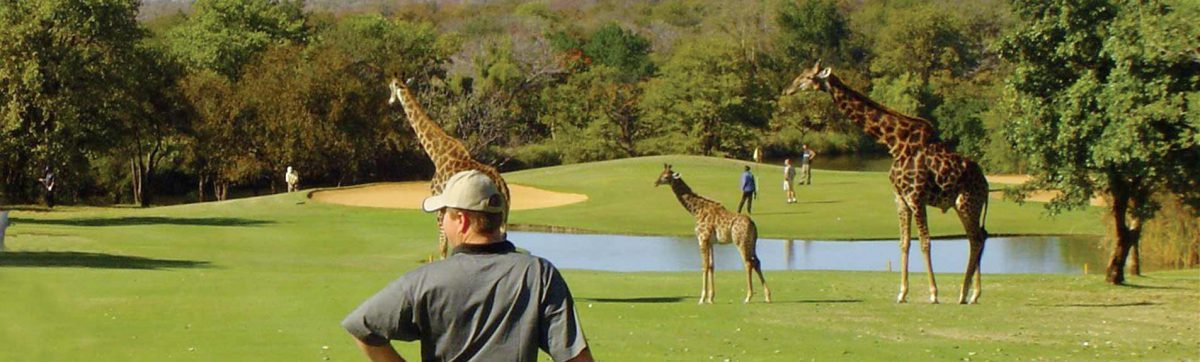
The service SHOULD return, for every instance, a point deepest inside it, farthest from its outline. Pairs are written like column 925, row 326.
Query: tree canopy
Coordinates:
column 1101, row 93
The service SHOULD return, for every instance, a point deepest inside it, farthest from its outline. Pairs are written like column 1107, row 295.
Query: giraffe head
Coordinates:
column 810, row 80
column 395, row 87
column 666, row 176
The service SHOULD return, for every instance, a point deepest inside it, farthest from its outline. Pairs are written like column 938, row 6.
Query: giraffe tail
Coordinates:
column 983, row 218
column 753, row 235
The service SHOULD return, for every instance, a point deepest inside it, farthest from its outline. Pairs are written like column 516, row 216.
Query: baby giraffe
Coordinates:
column 712, row 219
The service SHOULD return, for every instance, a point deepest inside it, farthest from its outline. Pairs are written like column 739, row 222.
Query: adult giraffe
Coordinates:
column 448, row 154
column 924, row 172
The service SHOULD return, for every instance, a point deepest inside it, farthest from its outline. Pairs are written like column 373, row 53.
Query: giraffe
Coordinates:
column 712, row 219
column 448, row 154
column 924, row 172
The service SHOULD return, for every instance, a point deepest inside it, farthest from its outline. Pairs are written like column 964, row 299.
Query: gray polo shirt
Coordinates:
column 485, row 302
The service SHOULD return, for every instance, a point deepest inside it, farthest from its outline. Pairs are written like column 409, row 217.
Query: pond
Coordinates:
column 1002, row 255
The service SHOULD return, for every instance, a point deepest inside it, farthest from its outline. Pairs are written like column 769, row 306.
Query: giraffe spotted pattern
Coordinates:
column 714, row 221
column 924, row 172
column 448, row 154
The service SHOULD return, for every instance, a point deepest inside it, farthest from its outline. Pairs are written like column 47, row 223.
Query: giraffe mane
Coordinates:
column 832, row 79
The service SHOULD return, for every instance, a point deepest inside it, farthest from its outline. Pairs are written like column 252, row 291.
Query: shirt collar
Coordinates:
column 501, row 247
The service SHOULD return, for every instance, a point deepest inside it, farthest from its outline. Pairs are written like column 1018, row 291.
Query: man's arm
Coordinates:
column 386, row 353
column 585, row 356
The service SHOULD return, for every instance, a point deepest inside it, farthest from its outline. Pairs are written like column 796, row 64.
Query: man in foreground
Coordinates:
column 485, row 302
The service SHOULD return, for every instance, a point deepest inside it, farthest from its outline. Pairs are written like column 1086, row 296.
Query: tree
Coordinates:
column 211, row 142
column 1104, row 96
column 152, row 118
column 811, row 30
column 594, row 116
column 223, row 35
column 697, row 95
column 624, row 50
column 59, row 84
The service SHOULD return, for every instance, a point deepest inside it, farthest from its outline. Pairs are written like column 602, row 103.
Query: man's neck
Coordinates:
column 482, row 239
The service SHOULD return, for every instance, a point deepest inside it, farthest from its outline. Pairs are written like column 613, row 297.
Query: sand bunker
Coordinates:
column 408, row 195
column 1038, row 196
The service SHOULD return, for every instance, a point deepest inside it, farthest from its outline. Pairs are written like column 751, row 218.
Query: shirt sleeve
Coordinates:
column 561, row 335
column 389, row 314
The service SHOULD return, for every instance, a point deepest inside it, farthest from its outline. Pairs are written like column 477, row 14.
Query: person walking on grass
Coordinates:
column 789, row 174
column 47, row 182
column 486, row 302
column 806, row 157
column 292, row 178
column 749, row 191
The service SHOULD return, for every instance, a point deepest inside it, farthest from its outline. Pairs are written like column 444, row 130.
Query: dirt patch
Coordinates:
column 1036, row 196
column 408, row 195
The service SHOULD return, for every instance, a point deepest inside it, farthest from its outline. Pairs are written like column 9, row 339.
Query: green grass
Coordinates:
column 270, row 278
column 839, row 205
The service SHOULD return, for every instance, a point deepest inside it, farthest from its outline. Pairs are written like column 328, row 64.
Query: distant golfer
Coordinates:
column 292, row 178
column 48, row 184
column 486, row 302
column 806, row 157
column 749, row 191
column 789, row 175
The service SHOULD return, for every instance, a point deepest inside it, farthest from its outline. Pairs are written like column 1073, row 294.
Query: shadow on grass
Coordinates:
column 802, row 202
column 1138, row 286
column 26, row 208
column 818, row 301
column 145, row 220
column 1104, row 305
column 781, row 213
column 71, row 259
column 636, row 300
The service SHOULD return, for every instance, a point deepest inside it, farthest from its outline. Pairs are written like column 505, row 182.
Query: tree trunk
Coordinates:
column 1127, row 229
column 1135, row 259
column 145, row 190
column 135, row 178
column 224, row 193
column 200, row 189
column 1194, row 255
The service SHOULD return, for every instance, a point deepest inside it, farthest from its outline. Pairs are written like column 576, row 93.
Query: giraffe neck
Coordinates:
column 690, row 200
column 440, row 146
column 900, row 133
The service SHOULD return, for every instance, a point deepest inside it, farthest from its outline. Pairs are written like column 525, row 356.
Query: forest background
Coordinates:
column 179, row 101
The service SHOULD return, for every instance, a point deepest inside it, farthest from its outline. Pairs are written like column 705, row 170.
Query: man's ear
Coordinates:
column 464, row 222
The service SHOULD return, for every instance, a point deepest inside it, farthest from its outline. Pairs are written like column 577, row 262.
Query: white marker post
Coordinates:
column 3, row 226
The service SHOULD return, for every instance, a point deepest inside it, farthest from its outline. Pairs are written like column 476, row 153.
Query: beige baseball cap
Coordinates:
column 467, row 190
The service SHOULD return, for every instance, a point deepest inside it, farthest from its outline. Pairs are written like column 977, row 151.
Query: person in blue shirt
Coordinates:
column 749, row 191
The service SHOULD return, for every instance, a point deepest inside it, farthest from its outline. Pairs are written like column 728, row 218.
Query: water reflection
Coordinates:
column 1004, row 255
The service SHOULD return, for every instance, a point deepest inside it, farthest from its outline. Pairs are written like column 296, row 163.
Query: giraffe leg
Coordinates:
column 709, row 271
column 703, row 241
column 749, row 282
column 758, row 269
column 923, row 229
column 748, row 264
column 905, row 215
column 744, row 246
column 968, row 213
